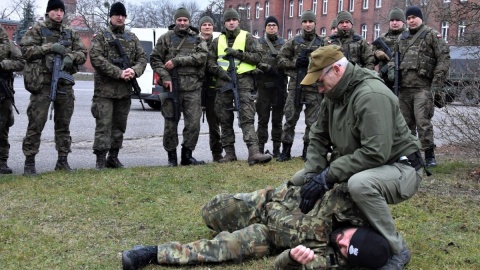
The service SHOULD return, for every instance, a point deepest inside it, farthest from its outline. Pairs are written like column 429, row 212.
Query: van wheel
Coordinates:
column 469, row 95
column 156, row 105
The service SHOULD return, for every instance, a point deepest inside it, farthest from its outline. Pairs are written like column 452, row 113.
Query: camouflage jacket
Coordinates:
column 37, row 42
column 424, row 63
column 268, row 65
column 4, row 41
column 108, row 83
column 354, row 47
column 389, row 38
column 12, row 62
column 291, row 51
column 187, row 51
column 252, row 55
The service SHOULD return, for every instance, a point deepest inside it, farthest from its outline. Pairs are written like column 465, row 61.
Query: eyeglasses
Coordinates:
column 271, row 25
column 320, row 80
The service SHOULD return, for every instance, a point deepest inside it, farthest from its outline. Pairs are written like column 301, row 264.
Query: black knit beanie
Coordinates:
column 54, row 4
column 271, row 19
column 118, row 9
column 415, row 11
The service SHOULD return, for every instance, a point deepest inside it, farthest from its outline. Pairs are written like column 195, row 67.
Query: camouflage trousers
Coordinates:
column 292, row 114
column 213, row 122
column 223, row 108
column 6, row 121
column 418, row 108
column 191, row 108
column 262, row 223
column 37, row 112
column 111, row 117
column 265, row 103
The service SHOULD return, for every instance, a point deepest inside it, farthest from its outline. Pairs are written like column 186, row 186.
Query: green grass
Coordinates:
column 83, row 220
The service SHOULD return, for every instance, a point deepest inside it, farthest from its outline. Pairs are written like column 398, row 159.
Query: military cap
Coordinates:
column 320, row 59
column 231, row 14
column 308, row 15
column 396, row 14
column 205, row 19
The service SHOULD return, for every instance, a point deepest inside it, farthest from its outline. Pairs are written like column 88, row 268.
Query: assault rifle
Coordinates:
column 279, row 85
column 57, row 74
column 379, row 42
column 7, row 90
column 233, row 86
column 384, row 70
column 301, row 73
column 173, row 95
column 397, row 74
column 123, row 62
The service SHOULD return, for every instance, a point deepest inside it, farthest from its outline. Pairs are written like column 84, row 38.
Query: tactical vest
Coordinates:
column 183, row 46
column 300, row 43
column 112, row 52
column 48, row 36
column 352, row 48
column 238, row 44
column 270, row 58
column 418, row 56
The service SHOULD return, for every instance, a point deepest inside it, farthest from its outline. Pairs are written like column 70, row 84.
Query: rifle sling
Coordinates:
column 270, row 45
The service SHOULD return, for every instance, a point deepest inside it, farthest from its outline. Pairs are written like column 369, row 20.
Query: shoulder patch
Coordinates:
column 94, row 35
column 439, row 36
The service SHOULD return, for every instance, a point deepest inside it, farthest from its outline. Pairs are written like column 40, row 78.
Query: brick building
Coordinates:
column 370, row 17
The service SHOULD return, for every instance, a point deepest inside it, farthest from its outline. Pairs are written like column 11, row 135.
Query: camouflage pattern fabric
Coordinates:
column 286, row 60
column 423, row 67
column 188, row 53
column 354, row 47
column 4, row 43
column 389, row 38
column 6, row 121
column 262, row 223
column 111, row 98
column 35, row 46
column 246, row 86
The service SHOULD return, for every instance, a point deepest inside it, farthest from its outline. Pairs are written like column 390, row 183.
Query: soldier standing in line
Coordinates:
column 182, row 50
column 396, row 21
column 39, row 45
column 247, row 53
column 424, row 63
column 111, row 98
column 271, row 86
column 10, row 60
column 354, row 47
column 209, row 94
column 333, row 27
column 291, row 58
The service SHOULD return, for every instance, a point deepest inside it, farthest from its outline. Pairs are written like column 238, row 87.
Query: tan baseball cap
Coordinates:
column 320, row 59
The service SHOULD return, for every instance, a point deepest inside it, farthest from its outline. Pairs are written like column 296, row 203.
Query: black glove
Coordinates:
column 264, row 67
column 223, row 75
column 313, row 190
column 58, row 48
column 67, row 62
column 302, row 62
column 230, row 52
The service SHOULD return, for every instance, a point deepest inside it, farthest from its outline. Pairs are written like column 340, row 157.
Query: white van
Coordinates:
column 148, row 81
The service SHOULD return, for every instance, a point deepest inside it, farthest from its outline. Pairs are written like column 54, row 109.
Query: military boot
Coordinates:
column 62, row 164
column 112, row 159
column 4, row 169
column 304, row 151
column 398, row 261
column 229, row 155
column 276, row 149
column 172, row 158
column 430, row 158
column 255, row 157
column 285, row 155
column 29, row 168
column 188, row 159
column 101, row 160
column 139, row 257
column 217, row 156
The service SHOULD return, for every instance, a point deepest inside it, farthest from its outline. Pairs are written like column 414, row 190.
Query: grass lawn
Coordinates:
column 83, row 220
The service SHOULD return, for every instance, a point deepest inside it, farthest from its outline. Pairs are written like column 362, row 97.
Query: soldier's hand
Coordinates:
column 230, row 52
column 302, row 254
column 58, row 48
column 67, row 63
column 169, row 64
column 314, row 190
column 222, row 75
column 167, row 85
column 301, row 62
column 264, row 67
column 381, row 55
column 391, row 74
column 126, row 75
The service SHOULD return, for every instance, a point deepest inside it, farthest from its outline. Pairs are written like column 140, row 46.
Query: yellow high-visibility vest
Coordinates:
column 238, row 44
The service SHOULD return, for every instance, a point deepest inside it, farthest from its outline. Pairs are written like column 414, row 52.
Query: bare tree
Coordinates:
column 16, row 8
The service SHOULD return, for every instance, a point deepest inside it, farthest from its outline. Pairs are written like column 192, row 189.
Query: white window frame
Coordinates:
column 300, row 7
column 364, row 31
column 340, row 5
column 289, row 33
column 324, row 7
column 267, row 9
column 376, row 31
column 351, row 5
column 323, row 32
column 446, row 1
column 257, row 10
column 290, row 11
column 365, row 4
column 378, row 3
column 462, row 25
column 445, row 26
column 248, row 11
column 314, row 6
column 255, row 33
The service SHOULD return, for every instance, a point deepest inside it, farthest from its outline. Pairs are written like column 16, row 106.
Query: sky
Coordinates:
column 42, row 5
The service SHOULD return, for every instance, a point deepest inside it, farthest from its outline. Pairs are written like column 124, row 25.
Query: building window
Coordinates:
column 351, row 5
column 300, row 7
column 267, row 9
column 314, row 6
column 423, row 3
column 255, row 33
column 340, row 5
column 445, row 26
column 289, row 34
column 365, row 4
column 290, row 12
column 299, row 31
column 446, row 1
column 323, row 32
column 257, row 10
column 364, row 31
column 376, row 31
column 378, row 3
column 248, row 11
column 324, row 7
column 461, row 30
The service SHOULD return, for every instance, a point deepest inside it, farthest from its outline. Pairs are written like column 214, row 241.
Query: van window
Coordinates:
column 147, row 47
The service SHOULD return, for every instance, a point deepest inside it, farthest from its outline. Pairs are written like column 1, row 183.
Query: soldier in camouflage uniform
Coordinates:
column 10, row 60
column 396, row 22
column 39, row 46
column 182, row 49
column 424, row 63
column 291, row 61
column 354, row 47
column 247, row 53
column 333, row 27
column 266, row 222
column 111, row 98
column 271, row 86
column 209, row 93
